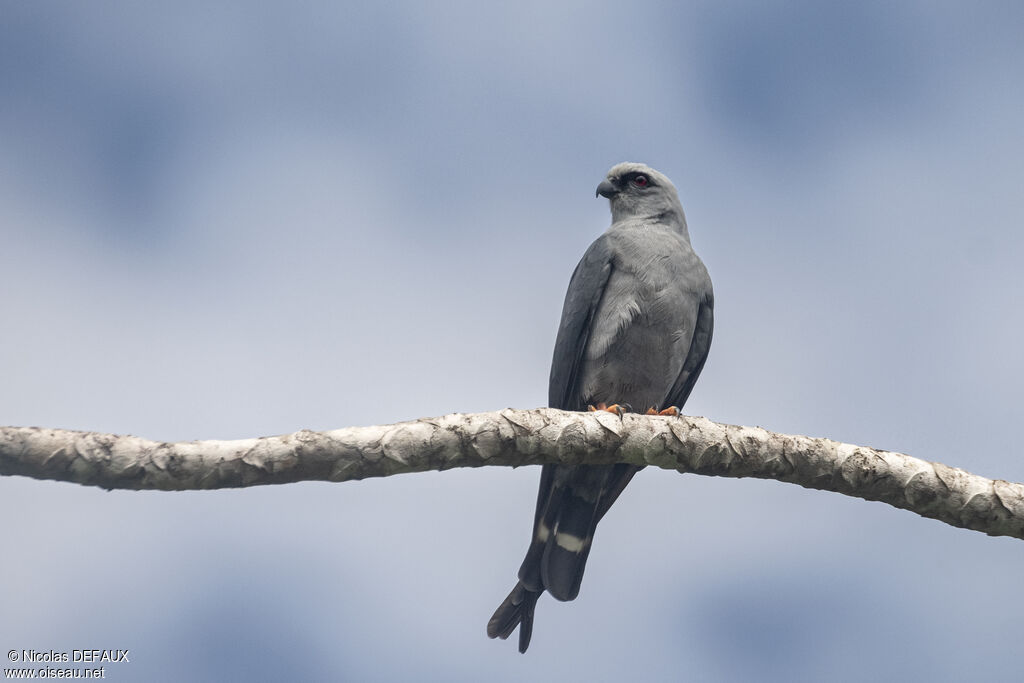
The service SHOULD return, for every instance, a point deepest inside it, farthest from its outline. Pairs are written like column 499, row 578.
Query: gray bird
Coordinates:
column 635, row 330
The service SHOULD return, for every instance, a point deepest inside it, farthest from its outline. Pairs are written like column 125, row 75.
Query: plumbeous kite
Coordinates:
column 635, row 330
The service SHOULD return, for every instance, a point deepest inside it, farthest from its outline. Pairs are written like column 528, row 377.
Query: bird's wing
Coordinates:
column 586, row 288
column 700, row 344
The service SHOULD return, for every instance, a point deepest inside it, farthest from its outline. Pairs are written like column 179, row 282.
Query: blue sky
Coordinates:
column 236, row 220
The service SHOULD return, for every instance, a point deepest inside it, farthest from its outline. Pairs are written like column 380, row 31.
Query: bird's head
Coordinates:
column 637, row 191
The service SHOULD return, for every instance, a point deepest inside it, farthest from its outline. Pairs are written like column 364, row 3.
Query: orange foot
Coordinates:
column 614, row 408
column 671, row 411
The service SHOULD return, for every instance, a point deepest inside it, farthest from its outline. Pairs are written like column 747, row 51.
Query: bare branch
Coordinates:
column 519, row 437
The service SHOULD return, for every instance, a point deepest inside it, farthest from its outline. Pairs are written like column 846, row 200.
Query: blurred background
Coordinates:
column 237, row 219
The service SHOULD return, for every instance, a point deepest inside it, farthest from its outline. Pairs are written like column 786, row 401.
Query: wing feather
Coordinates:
column 700, row 344
column 582, row 300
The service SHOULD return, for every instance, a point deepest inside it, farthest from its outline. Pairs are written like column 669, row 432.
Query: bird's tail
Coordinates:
column 516, row 610
column 565, row 552
column 582, row 504
column 570, row 503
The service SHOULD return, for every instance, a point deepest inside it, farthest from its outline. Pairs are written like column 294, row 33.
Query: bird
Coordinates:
column 635, row 332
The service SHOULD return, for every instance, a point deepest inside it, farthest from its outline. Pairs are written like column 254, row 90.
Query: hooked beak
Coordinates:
column 606, row 189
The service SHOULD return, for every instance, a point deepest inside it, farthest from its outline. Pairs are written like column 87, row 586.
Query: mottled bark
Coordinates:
column 519, row 437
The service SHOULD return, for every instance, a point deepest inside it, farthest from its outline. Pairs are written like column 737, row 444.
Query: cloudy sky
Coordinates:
column 238, row 220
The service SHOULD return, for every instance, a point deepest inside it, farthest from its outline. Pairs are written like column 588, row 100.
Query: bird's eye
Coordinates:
column 640, row 181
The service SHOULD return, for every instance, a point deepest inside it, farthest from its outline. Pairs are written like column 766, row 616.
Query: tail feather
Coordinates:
column 516, row 610
column 566, row 550
column 530, row 572
column 570, row 503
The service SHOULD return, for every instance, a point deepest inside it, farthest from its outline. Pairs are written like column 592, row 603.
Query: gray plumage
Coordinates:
column 636, row 328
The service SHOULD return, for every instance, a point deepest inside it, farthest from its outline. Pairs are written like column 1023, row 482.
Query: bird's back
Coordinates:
column 644, row 323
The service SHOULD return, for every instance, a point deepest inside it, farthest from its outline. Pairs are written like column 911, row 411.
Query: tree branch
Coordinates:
column 519, row 437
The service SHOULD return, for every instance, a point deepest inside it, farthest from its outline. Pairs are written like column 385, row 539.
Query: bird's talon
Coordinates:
column 615, row 408
column 671, row 411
